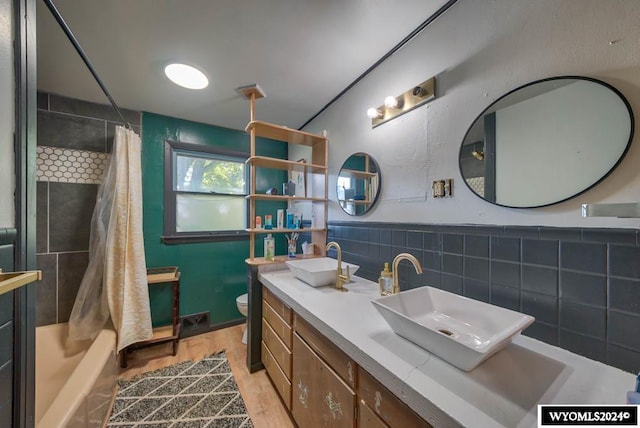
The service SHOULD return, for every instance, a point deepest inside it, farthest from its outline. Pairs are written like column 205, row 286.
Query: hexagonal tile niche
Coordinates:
column 70, row 166
column 476, row 184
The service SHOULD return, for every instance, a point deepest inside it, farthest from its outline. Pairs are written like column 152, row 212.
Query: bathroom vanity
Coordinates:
column 342, row 365
column 317, row 381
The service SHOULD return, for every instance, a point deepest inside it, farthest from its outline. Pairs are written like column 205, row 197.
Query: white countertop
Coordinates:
column 503, row 391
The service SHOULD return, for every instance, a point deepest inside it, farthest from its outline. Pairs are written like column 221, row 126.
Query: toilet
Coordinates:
column 242, row 303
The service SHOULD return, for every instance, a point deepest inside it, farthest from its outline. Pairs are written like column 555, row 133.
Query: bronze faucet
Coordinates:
column 340, row 278
column 396, row 261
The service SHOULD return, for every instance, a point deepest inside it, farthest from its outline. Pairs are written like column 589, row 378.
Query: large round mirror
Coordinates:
column 358, row 184
column 546, row 142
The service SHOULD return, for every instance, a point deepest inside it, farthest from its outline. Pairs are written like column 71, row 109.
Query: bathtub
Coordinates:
column 74, row 387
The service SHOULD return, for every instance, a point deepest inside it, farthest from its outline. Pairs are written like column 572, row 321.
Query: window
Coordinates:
column 205, row 191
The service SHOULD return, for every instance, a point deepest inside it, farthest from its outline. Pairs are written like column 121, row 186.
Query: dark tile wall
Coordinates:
column 64, row 209
column 70, row 210
column 582, row 285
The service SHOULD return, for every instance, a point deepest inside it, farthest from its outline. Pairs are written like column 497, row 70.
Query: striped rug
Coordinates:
column 185, row 395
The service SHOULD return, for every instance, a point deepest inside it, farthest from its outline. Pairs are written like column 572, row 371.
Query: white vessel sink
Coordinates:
column 320, row 271
column 462, row 331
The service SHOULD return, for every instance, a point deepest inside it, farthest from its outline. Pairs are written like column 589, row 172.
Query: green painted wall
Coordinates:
column 212, row 274
column 356, row 163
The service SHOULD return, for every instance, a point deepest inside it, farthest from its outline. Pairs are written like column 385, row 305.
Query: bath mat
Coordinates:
column 185, row 395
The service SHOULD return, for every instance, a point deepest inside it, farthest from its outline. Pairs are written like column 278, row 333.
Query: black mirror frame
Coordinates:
column 377, row 196
column 622, row 156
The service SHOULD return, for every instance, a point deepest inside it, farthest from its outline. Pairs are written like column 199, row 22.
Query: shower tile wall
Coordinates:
column 74, row 139
column 582, row 285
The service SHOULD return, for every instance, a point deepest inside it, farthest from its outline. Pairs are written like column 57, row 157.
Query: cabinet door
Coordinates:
column 279, row 326
column 278, row 349
column 278, row 378
column 367, row 418
column 384, row 404
column 319, row 397
column 328, row 351
column 278, row 306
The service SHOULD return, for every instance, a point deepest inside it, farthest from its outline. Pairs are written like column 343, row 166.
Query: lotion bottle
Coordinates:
column 386, row 281
column 269, row 248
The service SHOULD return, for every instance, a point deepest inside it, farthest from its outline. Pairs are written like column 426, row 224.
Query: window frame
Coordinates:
column 170, row 235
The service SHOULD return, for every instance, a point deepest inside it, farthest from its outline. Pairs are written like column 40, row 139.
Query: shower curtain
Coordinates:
column 115, row 282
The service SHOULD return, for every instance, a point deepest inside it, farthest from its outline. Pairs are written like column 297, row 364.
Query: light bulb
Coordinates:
column 391, row 102
column 374, row 113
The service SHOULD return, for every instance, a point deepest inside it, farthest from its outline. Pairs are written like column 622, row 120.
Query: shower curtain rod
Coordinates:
column 84, row 57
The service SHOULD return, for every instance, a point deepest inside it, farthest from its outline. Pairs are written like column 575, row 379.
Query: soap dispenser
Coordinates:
column 269, row 248
column 386, row 281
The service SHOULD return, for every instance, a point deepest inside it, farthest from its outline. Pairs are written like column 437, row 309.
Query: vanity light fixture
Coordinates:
column 186, row 76
column 403, row 103
column 478, row 154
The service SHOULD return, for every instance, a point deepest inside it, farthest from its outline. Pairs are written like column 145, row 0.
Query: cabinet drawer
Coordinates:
column 278, row 306
column 319, row 398
column 280, row 352
column 279, row 326
column 367, row 418
column 338, row 360
column 386, row 405
column 278, row 378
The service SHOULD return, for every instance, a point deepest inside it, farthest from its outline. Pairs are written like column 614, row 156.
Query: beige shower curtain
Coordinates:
column 115, row 283
column 125, row 272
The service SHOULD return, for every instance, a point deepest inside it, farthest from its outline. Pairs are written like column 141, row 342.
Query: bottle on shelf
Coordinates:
column 269, row 248
column 280, row 219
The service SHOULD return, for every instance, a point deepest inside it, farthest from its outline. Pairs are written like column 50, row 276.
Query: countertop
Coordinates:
column 503, row 391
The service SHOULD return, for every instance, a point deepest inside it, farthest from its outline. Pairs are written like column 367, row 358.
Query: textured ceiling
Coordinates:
column 302, row 53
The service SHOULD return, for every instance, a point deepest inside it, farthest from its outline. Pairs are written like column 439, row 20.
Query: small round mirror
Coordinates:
column 358, row 184
column 546, row 142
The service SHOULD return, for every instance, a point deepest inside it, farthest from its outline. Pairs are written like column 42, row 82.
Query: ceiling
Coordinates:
column 302, row 53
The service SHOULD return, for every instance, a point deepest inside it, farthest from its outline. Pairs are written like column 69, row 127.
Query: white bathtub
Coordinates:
column 74, row 387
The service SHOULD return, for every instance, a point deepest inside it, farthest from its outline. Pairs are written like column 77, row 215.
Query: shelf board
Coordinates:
column 352, row 201
column 264, row 231
column 282, row 133
column 265, row 162
column 257, row 261
column 160, row 335
column 12, row 280
column 355, row 173
column 161, row 279
column 265, row 197
column 164, row 332
column 162, row 274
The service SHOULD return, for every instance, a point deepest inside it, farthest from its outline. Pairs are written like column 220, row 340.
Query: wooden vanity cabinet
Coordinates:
column 320, row 396
column 320, row 385
column 379, row 407
column 276, row 343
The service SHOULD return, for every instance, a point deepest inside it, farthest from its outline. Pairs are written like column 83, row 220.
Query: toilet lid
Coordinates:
column 242, row 300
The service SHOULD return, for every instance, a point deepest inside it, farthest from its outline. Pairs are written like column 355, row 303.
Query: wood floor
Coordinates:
column 263, row 403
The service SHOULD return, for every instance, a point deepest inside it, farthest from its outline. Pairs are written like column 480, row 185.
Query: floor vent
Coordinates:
column 194, row 324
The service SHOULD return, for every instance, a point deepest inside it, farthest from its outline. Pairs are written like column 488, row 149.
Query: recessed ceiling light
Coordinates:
column 186, row 76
